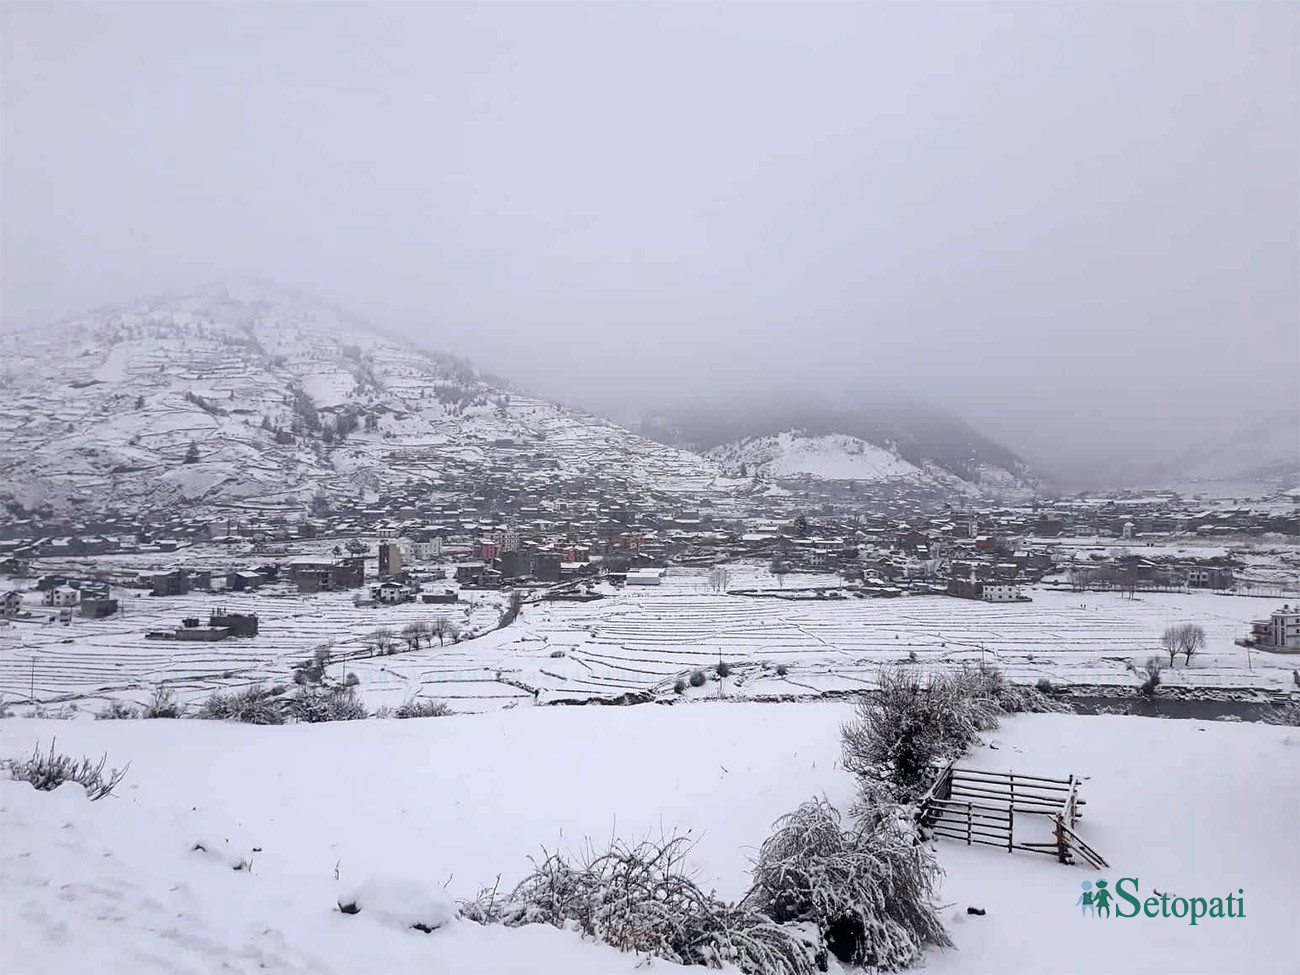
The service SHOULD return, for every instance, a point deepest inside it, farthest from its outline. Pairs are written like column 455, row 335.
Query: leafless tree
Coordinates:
column 778, row 569
column 1185, row 638
column 719, row 578
column 1169, row 640
column 441, row 628
column 411, row 634
column 383, row 641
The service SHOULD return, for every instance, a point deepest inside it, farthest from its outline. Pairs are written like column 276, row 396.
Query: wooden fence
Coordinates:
column 980, row 808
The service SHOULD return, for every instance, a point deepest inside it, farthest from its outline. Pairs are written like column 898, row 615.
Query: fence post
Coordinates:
column 1060, row 840
column 969, row 817
column 1011, row 826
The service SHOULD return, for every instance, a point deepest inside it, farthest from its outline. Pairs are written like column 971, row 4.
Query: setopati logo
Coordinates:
column 1098, row 900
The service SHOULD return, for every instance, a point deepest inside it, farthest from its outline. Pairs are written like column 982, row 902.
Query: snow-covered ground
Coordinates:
column 421, row 810
column 641, row 639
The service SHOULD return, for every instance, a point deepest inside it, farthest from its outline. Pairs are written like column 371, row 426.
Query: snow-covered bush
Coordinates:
column 642, row 899
column 163, row 704
column 252, row 705
column 897, row 735
column 423, row 709
column 312, row 706
column 914, row 722
column 118, row 711
column 723, row 669
column 697, row 678
column 49, row 771
column 679, row 685
column 1151, row 681
column 869, row 889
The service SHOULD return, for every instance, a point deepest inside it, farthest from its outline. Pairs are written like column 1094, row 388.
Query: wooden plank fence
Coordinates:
column 980, row 808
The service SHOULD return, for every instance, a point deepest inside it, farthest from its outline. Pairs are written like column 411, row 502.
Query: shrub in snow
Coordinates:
column 869, row 889
column 252, row 705
column 897, row 735
column 1288, row 716
column 49, row 771
column 423, row 709
column 312, row 706
column 1151, row 669
column 697, row 678
column 163, row 704
column 400, row 904
column 912, row 722
column 782, row 670
column 641, row 899
column 723, row 669
column 679, row 686
column 118, row 711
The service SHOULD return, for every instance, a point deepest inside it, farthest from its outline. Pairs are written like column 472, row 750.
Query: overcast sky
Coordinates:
column 1076, row 224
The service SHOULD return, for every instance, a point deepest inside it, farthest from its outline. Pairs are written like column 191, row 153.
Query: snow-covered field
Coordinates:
column 640, row 639
column 418, row 811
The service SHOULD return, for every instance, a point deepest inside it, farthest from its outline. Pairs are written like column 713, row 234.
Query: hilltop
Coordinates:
column 880, row 440
column 262, row 399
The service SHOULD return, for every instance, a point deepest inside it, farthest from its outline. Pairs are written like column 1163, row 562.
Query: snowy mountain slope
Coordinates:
column 813, row 431
column 828, row 457
column 794, row 455
column 260, row 398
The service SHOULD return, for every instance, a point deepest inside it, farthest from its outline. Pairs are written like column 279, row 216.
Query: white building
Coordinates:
column 645, row 577
column 425, row 550
column 994, row 592
column 1281, row 631
column 392, row 593
column 61, row 596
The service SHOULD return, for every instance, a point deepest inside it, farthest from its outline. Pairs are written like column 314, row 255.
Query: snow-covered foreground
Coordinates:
column 446, row 804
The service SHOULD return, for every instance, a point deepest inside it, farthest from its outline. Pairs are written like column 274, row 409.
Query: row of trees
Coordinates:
column 385, row 640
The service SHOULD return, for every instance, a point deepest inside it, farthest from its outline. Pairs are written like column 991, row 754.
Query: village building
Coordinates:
column 391, row 593
column 97, row 607
column 390, row 559
column 61, row 596
column 645, row 577
column 11, row 603
column 1281, row 631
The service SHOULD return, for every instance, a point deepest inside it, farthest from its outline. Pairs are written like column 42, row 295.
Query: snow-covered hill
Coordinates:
column 795, row 454
column 809, row 433
column 259, row 398
column 833, row 457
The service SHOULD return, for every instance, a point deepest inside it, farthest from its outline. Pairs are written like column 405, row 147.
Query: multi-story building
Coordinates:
column 390, row 559
column 1281, row 631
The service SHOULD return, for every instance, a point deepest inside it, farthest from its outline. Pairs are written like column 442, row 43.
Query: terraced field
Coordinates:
column 638, row 640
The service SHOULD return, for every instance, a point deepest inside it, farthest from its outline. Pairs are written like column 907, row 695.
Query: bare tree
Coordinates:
column 411, row 634
column 719, row 578
column 778, row 569
column 440, row 628
column 383, row 641
column 1192, row 641
column 1169, row 640
column 1185, row 638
